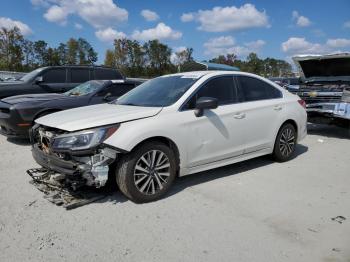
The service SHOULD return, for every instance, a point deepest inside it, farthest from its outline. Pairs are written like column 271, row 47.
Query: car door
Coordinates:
column 54, row 80
column 216, row 135
column 262, row 106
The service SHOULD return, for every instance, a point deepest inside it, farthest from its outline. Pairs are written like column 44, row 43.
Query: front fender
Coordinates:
column 132, row 133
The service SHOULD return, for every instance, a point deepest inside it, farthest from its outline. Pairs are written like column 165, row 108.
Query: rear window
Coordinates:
column 253, row 89
column 79, row 75
column 107, row 74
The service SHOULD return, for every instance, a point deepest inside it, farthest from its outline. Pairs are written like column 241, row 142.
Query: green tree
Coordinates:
column 86, row 53
column 158, row 58
column 109, row 58
column 40, row 52
column 11, row 54
column 72, row 51
column 62, row 54
column 28, row 54
column 184, row 56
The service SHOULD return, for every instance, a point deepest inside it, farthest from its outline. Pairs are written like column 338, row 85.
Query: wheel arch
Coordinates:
column 165, row 140
column 288, row 121
column 292, row 122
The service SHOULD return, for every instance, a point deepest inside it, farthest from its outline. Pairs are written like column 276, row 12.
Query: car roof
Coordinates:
column 199, row 74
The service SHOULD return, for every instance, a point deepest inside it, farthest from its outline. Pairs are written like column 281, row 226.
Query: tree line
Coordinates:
column 133, row 58
column 20, row 54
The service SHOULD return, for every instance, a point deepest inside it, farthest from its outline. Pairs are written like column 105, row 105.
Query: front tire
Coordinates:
column 146, row 173
column 285, row 143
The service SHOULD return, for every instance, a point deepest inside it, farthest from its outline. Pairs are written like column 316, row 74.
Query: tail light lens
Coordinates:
column 302, row 103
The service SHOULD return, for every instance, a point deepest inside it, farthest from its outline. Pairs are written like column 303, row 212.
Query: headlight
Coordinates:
column 84, row 139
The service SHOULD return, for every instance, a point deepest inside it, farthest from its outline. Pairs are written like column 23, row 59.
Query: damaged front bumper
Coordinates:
column 330, row 111
column 79, row 168
column 83, row 170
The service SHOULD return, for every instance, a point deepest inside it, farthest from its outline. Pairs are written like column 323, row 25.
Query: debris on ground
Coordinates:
column 339, row 219
column 320, row 140
column 336, row 249
column 58, row 192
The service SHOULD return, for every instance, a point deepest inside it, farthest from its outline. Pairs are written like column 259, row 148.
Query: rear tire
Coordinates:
column 146, row 173
column 285, row 143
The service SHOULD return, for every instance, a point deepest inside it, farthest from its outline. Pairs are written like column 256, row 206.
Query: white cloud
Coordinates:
column 109, row 34
column 78, row 26
column 187, row 17
column 338, row 43
column 347, row 24
column 161, row 31
column 300, row 20
column 97, row 13
column 299, row 45
column 8, row 23
column 226, row 45
column 56, row 14
column 230, row 18
column 149, row 15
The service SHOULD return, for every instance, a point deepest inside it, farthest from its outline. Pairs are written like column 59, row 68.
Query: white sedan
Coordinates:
column 170, row 126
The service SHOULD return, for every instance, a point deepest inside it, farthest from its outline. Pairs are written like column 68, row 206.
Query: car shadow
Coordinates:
column 110, row 193
column 328, row 131
column 19, row 141
column 182, row 183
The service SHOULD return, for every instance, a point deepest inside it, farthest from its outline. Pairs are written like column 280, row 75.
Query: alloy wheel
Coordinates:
column 151, row 172
column 287, row 142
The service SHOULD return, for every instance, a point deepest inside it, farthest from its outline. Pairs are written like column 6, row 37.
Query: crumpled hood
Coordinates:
column 97, row 115
column 32, row 98
column 318, row 68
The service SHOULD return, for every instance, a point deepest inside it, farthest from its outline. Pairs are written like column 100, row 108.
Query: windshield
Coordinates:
column 31, row 75
column 158, row 92
column 85, row 88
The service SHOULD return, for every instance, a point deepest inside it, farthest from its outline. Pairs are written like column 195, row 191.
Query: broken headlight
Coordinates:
column 83, row 140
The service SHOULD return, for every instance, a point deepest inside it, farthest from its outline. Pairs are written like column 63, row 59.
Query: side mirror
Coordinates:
column 108, row 97
column 39, row 80
column 205, row 103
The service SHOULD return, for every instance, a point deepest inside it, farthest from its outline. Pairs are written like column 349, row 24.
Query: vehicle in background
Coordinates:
column 325, row 87
column 17, row 113
column 172, row 125
column 10, row 76
column 287, row 82
column 56, row 79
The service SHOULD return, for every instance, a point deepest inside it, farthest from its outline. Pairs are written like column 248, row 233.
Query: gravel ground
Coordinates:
column 257, row 210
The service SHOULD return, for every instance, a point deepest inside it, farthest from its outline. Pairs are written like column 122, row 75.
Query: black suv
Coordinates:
column 56, row 79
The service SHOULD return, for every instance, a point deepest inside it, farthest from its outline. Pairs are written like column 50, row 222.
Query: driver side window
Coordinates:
column 221, row 88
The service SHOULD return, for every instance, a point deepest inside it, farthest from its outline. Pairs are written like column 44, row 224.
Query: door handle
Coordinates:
column 277, row 108
column 239, row 115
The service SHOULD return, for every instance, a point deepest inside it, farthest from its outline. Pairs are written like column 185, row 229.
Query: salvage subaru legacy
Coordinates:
column 173, row 125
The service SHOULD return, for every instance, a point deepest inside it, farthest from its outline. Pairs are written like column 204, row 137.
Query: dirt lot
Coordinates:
column 253, row 211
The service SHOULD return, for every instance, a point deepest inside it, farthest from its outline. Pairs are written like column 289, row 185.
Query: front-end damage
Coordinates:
column 86, row 166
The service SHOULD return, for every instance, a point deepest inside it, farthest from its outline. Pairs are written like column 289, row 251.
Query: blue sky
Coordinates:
column 271, row 28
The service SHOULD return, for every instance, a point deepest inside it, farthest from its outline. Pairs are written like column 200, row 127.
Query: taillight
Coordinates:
column 302, row 103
